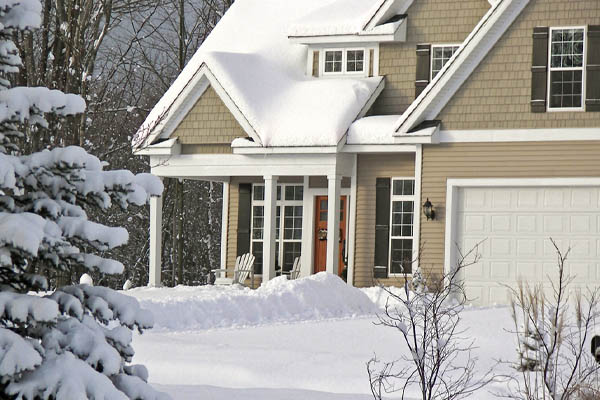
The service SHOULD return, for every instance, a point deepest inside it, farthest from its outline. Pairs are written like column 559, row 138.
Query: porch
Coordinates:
column 275, row 206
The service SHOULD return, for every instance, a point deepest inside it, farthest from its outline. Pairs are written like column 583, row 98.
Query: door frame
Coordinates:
column 308, row 234
column 345, row 246
column 453, row 185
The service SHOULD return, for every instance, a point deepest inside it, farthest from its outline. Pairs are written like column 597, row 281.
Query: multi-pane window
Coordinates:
column 288, row 245
column 566, row 67
column 345, row 61
column 402, row 220
column 440, row 55
column 333, row 61
column 355, row 60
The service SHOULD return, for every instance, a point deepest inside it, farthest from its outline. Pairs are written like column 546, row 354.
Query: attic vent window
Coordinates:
column 440, row 55
column 333, row 61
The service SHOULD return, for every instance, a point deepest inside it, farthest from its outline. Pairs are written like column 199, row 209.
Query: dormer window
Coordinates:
column 333, row 61
column 355, row 60
column 344, row 61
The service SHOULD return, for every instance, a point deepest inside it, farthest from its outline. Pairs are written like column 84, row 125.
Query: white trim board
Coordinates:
column 452, row 186
column 519, row 135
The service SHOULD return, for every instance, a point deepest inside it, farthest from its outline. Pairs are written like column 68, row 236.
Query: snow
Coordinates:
column 376, row 129
column 277, row 301
column 86, row 280
column 16, row 354
column 264, row 74
column 21, row 14
column 339, row 17
column 208, row 346
column 21, row 100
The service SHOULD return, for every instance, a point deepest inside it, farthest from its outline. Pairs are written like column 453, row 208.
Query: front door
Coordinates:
column 321, row 234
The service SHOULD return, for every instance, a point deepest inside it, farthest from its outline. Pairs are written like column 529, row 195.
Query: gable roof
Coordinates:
column 472, row 51
column 259, row 73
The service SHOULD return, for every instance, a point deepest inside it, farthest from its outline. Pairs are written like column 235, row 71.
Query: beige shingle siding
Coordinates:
column 209, row 123
column 493, row 160
column 429, row 21
column 370, row 167
column 498, row 93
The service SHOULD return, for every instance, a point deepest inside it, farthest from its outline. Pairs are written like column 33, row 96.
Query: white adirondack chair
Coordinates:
column 294, row 273
column 244, row 266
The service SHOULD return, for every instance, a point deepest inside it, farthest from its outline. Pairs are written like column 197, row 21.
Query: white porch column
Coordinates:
column 334, row 183
column 268, row 272
column 224, row 227
column 155, row 240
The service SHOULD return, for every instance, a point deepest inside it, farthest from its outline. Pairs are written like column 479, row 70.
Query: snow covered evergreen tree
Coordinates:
column 73, row 343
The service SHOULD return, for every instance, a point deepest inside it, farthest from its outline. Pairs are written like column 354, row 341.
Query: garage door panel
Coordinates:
column 515, row 225
column 501, row 270
column 501, row 223
column 527, row 224
column 528, row 270
column 527, row 248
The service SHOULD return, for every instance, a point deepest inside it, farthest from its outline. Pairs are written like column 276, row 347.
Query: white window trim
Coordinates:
column 431, row 56
column 344, row 71
column 401, row 198
column 345, row 57
column 550, row 69
column 279, row 203
column 325, row 61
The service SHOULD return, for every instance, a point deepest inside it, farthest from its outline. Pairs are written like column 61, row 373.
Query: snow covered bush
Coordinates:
column 73, row 343
column 439, row 363
column 553, row 330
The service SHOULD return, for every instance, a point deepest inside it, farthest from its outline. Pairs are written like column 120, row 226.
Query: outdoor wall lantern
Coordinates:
column 428, row 210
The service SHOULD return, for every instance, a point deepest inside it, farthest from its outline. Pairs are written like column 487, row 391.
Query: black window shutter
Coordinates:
column 382, row 227
column 244, row 215
column 539, row 70
column 592, row 98
column 423, row 68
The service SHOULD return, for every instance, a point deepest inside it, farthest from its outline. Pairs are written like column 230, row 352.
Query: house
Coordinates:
column 332, row 122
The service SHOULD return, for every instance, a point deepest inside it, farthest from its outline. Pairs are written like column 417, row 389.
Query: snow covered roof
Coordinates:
column 262, row 77
column 350, row 17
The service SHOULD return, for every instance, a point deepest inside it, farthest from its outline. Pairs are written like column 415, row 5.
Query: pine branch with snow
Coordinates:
column 74, row 342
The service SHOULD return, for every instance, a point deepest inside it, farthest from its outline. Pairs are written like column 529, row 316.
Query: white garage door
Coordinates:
column 516, row 224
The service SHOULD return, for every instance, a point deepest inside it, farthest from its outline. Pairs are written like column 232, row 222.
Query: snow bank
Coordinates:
column 317, row 297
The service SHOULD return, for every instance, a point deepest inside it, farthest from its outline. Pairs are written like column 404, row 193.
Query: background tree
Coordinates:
column 128, row 52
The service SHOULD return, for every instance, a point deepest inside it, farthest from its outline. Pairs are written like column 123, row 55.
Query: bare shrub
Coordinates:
column 553, row 330
column 440, row 364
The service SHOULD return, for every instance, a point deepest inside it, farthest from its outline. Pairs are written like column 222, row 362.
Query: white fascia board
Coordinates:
column 388, row 10
column 372, row 99
column 188, row 98
column 166, row 148
column 519, row 135
column 475, row 47
column 399, row 35
column 379, row 148
column 286, row 150
column 175, row 113
column 225, row 165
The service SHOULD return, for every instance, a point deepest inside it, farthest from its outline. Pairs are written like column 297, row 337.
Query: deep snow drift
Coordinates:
column 303, row 339
column 317, row 297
